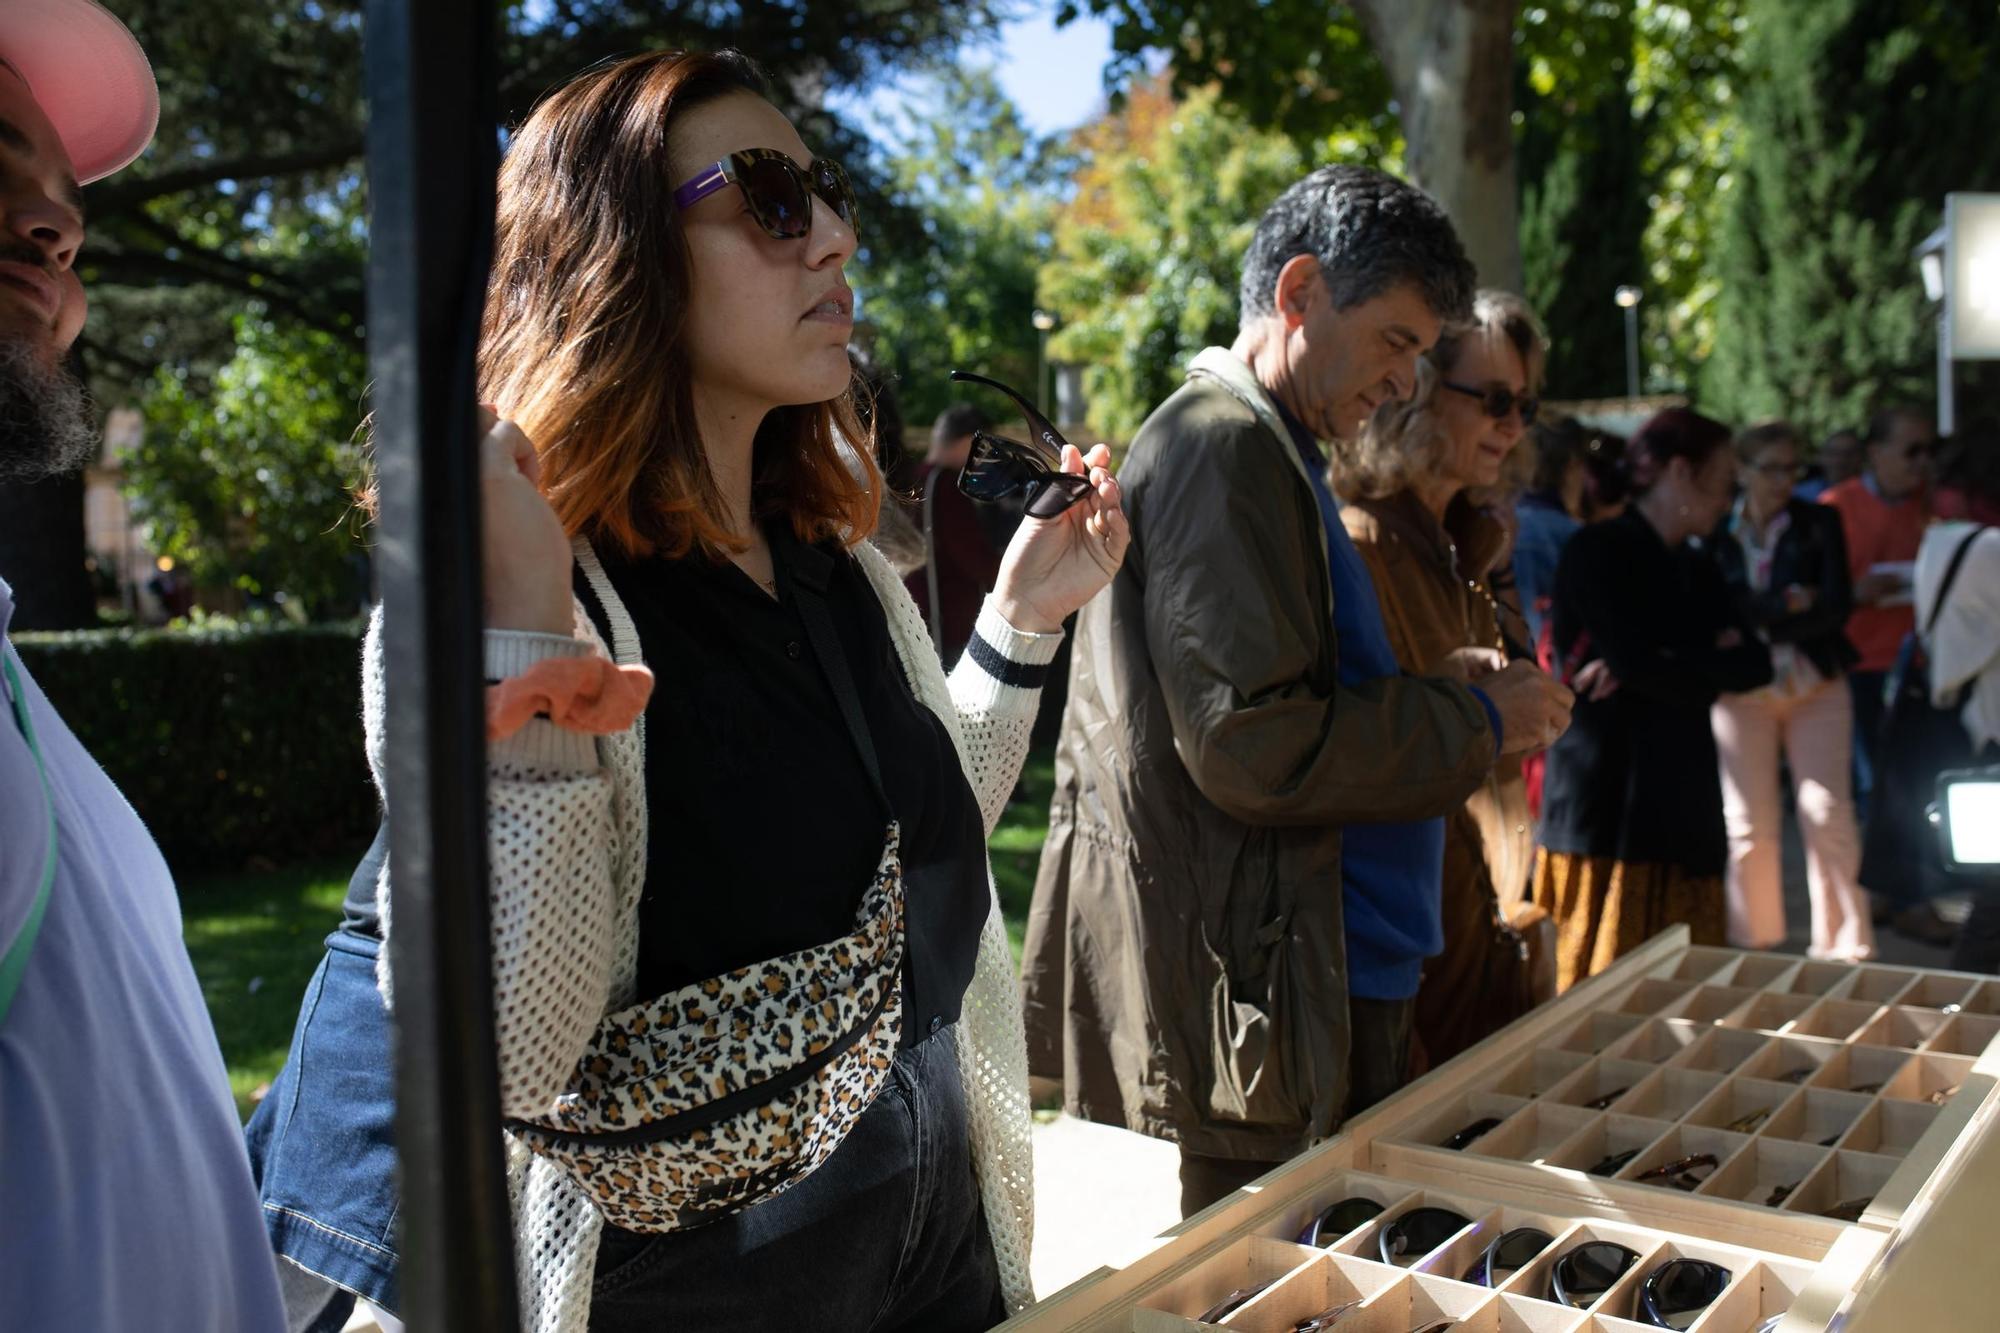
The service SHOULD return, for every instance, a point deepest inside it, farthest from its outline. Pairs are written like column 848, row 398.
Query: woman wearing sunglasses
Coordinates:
column 1785, row 561
column 1411, row 482
column 690, row 901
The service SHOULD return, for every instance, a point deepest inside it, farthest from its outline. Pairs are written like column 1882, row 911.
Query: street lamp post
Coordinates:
column 1628, row 300
column 1043, row 322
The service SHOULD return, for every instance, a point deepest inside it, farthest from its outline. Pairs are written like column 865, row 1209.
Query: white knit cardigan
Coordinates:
column 566, row 827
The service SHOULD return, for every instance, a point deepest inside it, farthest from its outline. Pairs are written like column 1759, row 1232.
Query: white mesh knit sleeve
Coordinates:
column 550, row 850
column 996, row 691
column 989, row 720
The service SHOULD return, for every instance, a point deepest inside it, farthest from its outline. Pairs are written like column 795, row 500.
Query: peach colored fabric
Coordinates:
column 589, row 694
column 1814, row 730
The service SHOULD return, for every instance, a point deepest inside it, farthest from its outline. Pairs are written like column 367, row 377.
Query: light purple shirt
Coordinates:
column 125, row 1193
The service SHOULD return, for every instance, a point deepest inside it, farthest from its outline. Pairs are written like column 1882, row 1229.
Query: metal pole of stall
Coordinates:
column 432, row 155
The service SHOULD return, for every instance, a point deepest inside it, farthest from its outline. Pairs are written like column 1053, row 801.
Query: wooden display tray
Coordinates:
column 1810, row 1083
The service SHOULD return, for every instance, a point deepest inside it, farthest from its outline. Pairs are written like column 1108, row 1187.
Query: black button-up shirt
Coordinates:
column 763, row 829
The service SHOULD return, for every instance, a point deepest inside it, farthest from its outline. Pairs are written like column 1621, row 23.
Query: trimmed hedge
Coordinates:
column 232, row 744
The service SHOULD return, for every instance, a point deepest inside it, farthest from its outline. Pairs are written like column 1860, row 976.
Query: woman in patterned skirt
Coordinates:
column 1632, row 836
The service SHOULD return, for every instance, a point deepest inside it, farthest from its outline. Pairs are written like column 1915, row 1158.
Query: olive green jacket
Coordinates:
column 1185, row 973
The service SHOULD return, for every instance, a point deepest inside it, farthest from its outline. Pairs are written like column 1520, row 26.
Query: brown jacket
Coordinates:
column 1186, row 974
column 1428, row 578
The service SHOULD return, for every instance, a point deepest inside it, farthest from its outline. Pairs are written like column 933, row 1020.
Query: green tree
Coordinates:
column 1149, row 250
column 1583, row 199
column 261, row 136
column 252, row 195
column 243, row 478
column 1858, row 116
column 984, row 187
column 1442, row 70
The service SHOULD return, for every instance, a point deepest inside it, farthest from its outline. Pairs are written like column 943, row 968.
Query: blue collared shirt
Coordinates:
column 1391, row 874
column 125, row 1192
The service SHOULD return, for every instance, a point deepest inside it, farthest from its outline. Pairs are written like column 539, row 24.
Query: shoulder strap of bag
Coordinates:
column 802, row 574
column 1950, row 577
column 14, row 963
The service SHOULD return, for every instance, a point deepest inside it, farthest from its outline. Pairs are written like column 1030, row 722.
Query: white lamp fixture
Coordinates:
column 1970, row 267
column 1626, row 297
column 1930, row 262
column 1966, row 816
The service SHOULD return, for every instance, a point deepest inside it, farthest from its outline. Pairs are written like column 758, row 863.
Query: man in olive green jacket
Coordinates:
column 1186, row 974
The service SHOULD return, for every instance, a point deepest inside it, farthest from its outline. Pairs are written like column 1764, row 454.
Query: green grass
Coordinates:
column 255, row 939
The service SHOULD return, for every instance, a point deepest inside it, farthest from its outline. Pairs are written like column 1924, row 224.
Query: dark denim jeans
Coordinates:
column 887, row 1235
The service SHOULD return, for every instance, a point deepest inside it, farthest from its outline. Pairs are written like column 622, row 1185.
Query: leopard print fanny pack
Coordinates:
column 730, row 1091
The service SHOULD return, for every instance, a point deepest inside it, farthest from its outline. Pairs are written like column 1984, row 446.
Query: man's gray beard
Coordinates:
column 47, row 427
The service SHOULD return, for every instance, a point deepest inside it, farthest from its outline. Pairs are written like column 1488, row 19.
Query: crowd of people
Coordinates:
column 1336, row 634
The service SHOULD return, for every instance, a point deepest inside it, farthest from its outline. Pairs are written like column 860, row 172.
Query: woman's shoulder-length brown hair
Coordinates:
column 1403, row 441
column 584, row 343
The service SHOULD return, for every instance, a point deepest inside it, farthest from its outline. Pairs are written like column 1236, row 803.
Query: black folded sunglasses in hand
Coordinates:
column 1000, row 467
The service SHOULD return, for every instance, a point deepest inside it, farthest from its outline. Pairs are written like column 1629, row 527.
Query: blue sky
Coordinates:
column 1055, row 75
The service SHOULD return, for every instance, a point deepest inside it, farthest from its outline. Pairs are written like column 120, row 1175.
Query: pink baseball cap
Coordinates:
column 88, row 76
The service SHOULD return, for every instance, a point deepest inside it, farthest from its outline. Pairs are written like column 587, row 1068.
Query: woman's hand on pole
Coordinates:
column 525, row 552
column 1055, row 565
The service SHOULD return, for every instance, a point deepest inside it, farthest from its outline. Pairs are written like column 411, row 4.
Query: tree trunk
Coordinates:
column 42, row 554
column 1452, row 65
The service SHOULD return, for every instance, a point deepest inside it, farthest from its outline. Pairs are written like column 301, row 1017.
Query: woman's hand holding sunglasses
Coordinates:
column 1074, row 536
column 1054, row 565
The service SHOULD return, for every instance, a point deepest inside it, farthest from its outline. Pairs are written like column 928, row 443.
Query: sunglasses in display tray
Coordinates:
column 1606, row 1164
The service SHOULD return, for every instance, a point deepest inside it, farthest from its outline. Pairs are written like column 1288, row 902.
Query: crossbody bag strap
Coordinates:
column 14, row 963
column 802, row 573
column 1950, row 577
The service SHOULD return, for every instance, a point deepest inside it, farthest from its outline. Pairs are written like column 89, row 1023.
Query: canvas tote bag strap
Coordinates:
column 1950, row 577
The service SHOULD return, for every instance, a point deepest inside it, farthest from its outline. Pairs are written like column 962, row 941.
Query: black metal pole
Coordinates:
column 432, row 155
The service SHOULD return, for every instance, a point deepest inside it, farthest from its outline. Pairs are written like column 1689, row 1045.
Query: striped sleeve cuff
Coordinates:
column 1011, row 656
column 540, row 743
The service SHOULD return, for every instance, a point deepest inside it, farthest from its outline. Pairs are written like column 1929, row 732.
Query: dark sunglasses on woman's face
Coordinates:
column 1418, row 1232
column 778, row 190
column 999, row 467
column 1675, row 1294
column 1336, row 1220
column 1497, row 400
column 1510, row 1252
column 1585, row 1273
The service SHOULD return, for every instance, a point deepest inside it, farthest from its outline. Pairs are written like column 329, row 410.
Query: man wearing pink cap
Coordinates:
column 125, row 1194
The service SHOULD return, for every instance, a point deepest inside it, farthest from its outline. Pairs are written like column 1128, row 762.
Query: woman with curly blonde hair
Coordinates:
column 1414, row 485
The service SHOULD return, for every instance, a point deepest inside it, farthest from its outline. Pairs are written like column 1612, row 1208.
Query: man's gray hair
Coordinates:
column 47, row 425
column 1370, row 232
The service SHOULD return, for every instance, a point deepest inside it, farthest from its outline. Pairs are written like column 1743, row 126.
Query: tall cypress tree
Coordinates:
column 1583, row 227
column 1859, row 116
